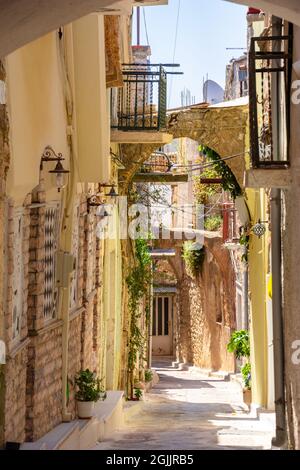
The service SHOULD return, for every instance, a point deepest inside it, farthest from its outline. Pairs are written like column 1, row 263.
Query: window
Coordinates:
column 161, row 316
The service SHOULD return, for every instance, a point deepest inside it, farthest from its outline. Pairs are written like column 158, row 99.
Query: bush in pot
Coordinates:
column 240, row 345
column 89, row 391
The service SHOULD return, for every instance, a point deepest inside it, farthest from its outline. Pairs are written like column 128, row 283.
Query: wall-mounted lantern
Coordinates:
column 59, row 172
column 95, row 201
column 112, row 192
column 259, row 229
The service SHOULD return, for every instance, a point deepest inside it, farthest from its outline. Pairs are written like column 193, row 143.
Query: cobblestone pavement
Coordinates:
column 188, row 410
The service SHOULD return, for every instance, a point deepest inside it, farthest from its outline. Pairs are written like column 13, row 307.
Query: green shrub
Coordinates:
column 138, row 393
column 240, row 344
column 148, row 375
column 88, row 386
column 213, row 223
column 193, row 256
column 246, row 373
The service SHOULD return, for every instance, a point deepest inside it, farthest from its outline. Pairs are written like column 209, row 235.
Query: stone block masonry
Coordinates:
column 44, row 383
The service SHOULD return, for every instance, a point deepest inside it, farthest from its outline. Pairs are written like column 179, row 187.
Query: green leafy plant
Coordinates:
column 239, row 344
column 213, row 223
column 138, row 393
column 193, row 256
column 88, row 386
column 245, row 242
column 203, row 191
column 230, row 182
column 246, row 373
column 138, row 282
column 148, row 375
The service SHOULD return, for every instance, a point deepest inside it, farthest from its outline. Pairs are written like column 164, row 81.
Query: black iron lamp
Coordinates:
column 259, row 229
column 112, row 192
column 49, row 155
column 95, row 201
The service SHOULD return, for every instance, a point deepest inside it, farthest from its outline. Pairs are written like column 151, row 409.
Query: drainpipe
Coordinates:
column 67, row 219
column 278, row 339
column 245, row 318
column 278, row 324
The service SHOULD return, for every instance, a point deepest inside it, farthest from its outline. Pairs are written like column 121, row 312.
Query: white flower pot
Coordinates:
column 85, row 409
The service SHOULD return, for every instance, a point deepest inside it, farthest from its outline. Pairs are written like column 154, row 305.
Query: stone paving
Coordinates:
column 187, row 410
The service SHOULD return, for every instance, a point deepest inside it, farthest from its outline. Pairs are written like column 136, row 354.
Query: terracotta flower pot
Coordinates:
column 85, row 409
column 247, row 396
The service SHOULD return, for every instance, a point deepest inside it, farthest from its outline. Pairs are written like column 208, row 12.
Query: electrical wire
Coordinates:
column 145, row 24
column 174, row 50
column 199, row 166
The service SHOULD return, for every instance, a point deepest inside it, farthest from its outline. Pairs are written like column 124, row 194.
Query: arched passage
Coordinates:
column 222, row 128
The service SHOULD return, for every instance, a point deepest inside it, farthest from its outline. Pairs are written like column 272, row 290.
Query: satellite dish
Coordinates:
column 212, row 92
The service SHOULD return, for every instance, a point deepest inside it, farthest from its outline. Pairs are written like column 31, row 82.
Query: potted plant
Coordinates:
column 246, row 373
column 148, row 375
column 240, row 345
column 138, row 393
column 89, row 391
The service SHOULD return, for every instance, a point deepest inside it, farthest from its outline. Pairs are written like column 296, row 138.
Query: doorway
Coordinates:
column 162, row 326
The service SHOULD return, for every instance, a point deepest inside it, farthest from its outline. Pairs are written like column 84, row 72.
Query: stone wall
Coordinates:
column 16, row 262
column 207, row 313
column 15, row 403
column 205, row 306
column 33, row 373
column 74, row 361
column 44, row 383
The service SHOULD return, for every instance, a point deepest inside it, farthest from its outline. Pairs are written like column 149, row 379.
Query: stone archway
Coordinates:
column 222, row 128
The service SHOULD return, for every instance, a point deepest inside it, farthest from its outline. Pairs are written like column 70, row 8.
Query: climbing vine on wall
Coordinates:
column 229, row 183
column 138, row 282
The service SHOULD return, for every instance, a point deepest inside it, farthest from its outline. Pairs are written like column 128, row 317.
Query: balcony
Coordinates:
column 161, row 168
column 139, row 108
column 269, row 85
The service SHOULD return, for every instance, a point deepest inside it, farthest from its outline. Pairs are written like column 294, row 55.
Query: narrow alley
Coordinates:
column 188, row 410
column 149, row 251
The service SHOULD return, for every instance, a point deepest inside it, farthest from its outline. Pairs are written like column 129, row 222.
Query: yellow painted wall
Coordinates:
column 33, row 76
column 112, row 298
column 92, row 99
column 258, row 270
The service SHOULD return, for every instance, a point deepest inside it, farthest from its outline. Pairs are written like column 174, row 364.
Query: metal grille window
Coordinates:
column 18, row 275
column 51, row 246
column 269, row 82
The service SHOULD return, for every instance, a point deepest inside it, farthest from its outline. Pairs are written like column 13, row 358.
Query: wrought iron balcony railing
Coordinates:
column 269, row 86
column 141, row 104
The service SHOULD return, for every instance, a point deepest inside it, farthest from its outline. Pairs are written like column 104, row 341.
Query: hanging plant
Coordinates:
column 193, row 256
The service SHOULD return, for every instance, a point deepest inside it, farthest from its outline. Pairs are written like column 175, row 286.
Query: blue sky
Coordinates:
column 206, row 29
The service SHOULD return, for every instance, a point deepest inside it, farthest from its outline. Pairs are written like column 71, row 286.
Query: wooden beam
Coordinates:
column 211, row 180
column 160, row 178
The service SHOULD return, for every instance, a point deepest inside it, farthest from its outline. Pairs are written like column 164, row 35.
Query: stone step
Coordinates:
column 245, row 438
column 84, row 433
